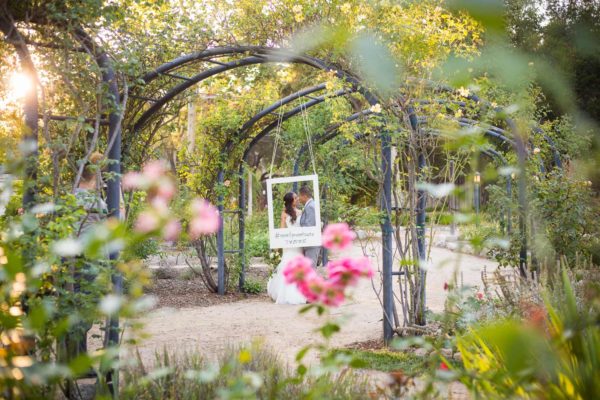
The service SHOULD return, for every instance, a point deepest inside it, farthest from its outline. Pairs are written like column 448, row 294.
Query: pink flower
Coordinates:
column 312, row 287
column 347, row 271
column 146, row 222
column 154, row 170
column 165, row 189
column 133, row 180
column 333, row 295
column 338, row 236
column 444, row 366
column 160, row 206
column 480, row 295
column 205, row 218
column 171, row 230
column 298, row 270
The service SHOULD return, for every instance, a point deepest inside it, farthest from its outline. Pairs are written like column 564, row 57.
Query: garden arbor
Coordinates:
column 260, row 55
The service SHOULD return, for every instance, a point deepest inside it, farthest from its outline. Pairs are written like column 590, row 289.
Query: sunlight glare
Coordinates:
column 20, row 84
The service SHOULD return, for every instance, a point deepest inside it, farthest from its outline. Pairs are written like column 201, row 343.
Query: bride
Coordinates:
column 278, row 289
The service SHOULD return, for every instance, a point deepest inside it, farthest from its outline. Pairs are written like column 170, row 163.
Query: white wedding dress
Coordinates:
column 280, row 291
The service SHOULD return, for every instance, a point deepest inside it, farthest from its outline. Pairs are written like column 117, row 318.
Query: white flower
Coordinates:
column 297, row 9
column 376, row 108
column 536, row 150
column 110, row 304
column 361, row 17
column 464, row 92
column 67, row 247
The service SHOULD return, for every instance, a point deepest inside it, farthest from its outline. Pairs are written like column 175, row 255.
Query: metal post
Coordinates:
column 421, row 216
column 522, row 195
column 476, row 195
column 220, row 237
column 508, row 206
column 386, row 236
column 113, row 189
column 242, row 229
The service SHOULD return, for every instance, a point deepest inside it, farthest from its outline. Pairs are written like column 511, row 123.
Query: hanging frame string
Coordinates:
column 308, row 138
column 276, row 144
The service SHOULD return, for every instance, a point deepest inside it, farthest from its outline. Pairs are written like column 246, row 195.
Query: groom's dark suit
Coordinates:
column 309, row 218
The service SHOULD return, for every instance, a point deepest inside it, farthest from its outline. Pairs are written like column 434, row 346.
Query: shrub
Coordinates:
column 253, row 287
column 142, row 250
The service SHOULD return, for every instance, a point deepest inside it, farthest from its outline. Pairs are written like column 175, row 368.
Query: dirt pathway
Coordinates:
column 210, row 329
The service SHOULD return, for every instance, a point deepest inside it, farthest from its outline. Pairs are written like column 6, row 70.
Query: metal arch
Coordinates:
column 279, row 103
column 261, row 55
column 287, row 115
column 157, row 105
column 269, row 54
column 473, row 97
column 330, row 133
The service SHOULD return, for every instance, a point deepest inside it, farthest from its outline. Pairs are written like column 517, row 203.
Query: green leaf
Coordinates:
column 302, row 353
column 329, row 329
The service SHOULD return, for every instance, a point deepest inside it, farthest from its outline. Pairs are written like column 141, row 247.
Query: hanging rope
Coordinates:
column 277, row 134
column 308, row 137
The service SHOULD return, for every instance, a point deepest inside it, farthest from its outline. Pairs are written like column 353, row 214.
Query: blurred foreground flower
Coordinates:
column 205, row 218
column 338, row 236
column 160, row 189
column 342, row 273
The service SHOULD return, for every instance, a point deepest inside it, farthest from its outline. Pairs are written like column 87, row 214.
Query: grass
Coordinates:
column 252, row 372
column 389, row 361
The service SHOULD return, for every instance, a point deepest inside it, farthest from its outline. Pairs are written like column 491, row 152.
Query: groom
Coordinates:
column 308, row 218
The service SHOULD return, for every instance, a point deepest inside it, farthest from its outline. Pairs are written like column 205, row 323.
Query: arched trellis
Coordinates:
column 259, row 55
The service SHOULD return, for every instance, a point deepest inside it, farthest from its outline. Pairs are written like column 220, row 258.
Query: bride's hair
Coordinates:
column 290, row 210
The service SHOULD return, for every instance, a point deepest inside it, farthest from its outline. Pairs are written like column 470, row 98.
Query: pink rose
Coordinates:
column 133, row 180
column 338, row 236
column 333, row 295
column 146, row 222
column 312, row 287
column 347, row 271
column 154, row 170
column 205, row 218
column 171, row 230
column 298, row 270
column 165, row 189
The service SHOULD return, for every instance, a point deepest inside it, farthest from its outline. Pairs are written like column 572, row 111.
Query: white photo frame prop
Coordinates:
column 307, row 236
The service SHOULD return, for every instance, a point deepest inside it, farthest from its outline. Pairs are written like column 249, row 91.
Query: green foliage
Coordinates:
column 564, row 213
column 257, row 236
column 241, row 372
column 389, row 361
column 553, row 356
column 253, row 286
column 142, row 250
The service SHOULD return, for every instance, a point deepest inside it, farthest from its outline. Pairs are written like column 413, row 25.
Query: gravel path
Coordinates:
column 210, row 329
